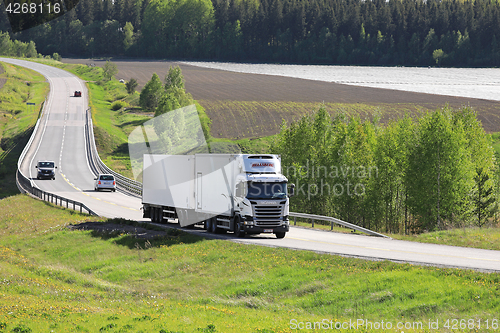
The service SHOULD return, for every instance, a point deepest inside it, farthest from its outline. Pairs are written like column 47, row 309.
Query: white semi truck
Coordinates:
column 245, row 194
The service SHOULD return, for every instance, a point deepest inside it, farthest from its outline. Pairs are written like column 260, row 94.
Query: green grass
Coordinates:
column 487, row 238
column 111, row 128
column 17, row 118
column 481, row 238
column 52, row 278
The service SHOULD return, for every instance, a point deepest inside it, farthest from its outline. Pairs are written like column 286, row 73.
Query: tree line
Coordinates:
column 410, row 175
column 393, row 32
column 16, row 48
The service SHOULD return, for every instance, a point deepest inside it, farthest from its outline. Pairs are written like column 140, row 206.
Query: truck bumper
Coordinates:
column 252, row 229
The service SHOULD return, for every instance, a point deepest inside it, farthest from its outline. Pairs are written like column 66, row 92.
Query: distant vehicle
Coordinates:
column 122, row 81
column 78, row 93
column 46, row 170
column 105, row 181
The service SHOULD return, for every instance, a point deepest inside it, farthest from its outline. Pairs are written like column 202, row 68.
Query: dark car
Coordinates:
column 78, row 93
column 46, row 170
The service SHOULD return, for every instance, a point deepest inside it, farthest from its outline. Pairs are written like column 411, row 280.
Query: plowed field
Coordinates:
column 252, row 105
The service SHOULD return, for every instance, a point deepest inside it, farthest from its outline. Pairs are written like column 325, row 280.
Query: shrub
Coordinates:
column 118, row 105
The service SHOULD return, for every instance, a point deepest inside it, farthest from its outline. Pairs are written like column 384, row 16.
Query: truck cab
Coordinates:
column 261, row 197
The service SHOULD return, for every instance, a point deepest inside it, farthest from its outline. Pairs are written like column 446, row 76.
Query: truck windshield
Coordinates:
column 266, row 190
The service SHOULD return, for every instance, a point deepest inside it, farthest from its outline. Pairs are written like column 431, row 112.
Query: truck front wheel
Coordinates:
column 280, row 235
column 238, row 228
column 213, row 226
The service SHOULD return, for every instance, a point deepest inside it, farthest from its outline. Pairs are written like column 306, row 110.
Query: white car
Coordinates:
column 105, row 181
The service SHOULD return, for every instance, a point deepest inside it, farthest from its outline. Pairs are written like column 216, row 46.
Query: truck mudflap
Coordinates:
column 146, row 212
column 252, row 229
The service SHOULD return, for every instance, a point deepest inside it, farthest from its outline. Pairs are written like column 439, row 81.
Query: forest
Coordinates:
column 364, row 32
column 410, row 175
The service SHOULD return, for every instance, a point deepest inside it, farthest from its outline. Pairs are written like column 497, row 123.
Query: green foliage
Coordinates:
column 168, row 102
column 131, row 86
column 17, row 87
column 16, row 48
column 175, row 95
column 407, row 176
column 174, row 79
column 187, row 24
column 440, row 173
column 117, row 105
column 438, row 56
column 484, row 199
column 151, row 93
column 56, row 56
column 109, row 70
column 359, row 32
column 128, row 40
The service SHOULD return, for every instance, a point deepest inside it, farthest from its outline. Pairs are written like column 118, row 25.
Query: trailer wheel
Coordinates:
column 208, row 224
column 280, row 235
column 157, row 215
column 153, row 214
column 213, row 226
column 160, row 215
column 238, row 232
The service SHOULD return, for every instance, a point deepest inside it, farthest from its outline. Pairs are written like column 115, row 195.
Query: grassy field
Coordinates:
column 487, row 238
column 54, row 278
column 255, row 119
column 17, row 118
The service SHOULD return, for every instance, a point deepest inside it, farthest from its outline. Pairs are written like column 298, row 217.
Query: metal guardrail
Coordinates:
column 126, row 184
column 333, row 220
column 25, row 185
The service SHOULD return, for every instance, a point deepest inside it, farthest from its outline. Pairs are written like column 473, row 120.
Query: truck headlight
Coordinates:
column 248, row 220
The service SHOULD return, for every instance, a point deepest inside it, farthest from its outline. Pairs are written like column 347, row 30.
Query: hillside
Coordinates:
column 252, row 105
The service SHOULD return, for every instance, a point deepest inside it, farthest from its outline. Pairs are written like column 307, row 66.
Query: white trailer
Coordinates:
column 246, row 194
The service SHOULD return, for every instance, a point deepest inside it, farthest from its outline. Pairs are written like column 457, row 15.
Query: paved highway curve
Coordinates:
column 61, row 138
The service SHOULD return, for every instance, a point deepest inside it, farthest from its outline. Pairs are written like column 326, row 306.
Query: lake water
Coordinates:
column 483, row 83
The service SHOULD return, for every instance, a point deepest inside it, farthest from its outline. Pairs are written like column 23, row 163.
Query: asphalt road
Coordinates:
column 61, row 138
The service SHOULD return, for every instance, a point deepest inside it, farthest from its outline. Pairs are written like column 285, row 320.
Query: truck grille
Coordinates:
column 268, row 215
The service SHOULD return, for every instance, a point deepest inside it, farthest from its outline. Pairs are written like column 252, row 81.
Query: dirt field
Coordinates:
column 215, row 88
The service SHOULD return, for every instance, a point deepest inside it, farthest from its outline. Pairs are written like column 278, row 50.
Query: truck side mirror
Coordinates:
column 36, row 166
column 291, row 193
